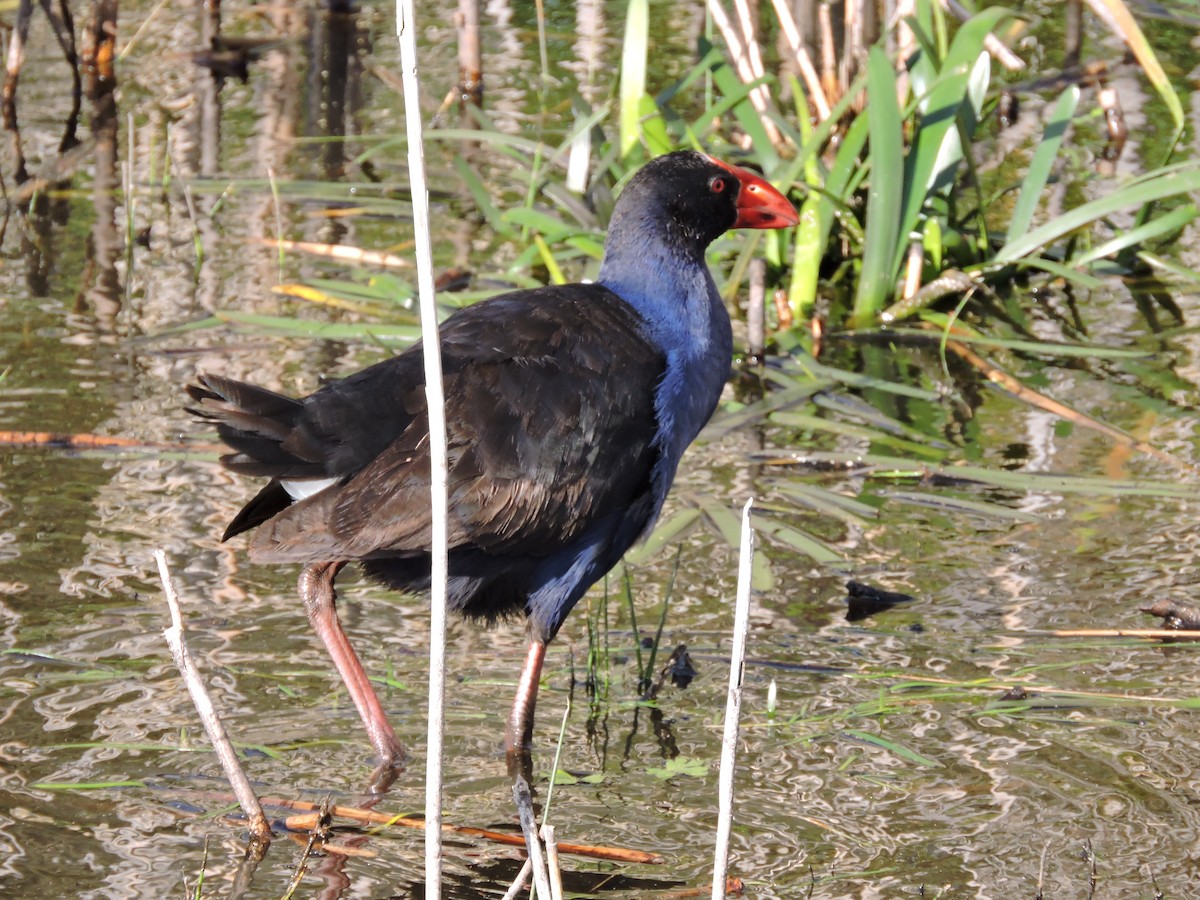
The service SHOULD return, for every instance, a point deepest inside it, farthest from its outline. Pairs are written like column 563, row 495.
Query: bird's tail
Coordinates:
column 259, row 425
column 265, row 431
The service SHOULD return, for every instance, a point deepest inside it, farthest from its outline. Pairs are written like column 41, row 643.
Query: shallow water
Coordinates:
column 892, row 764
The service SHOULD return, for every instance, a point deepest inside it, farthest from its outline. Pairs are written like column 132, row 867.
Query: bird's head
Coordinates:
column 697, row 198
column 759, row 204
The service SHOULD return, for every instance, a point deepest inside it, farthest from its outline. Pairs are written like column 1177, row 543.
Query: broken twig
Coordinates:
column 260, row 829
column 524, row 800
column 304, row 821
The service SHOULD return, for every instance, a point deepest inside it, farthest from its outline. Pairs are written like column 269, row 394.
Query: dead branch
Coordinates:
column 260, row 829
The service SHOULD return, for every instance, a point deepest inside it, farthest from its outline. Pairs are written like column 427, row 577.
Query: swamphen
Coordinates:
column 567, row 409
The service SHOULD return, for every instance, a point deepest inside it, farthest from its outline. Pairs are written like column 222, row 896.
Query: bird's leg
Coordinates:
column 316, row 589
column 518, row 735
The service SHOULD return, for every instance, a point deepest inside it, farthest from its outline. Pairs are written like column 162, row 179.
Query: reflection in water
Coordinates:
column 38, row 229
column 63, row 26
column 100, row 291
column 334, row 95
column 490, row 878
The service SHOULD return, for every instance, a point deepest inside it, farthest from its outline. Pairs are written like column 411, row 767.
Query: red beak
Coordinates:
column 759, row 205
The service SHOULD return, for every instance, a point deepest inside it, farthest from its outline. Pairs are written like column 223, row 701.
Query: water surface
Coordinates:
column 893, row 763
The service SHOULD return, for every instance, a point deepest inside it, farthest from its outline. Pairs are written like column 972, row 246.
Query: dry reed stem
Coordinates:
column 518, row 884
column 906, row 44
column 435, row 401
column 742, row 65
column 260, row 829
column 556, row 884
column 340, row 252
column 86, row 441
column 812, row 81
column 853, row 51
column 316, row 836
column 756, row 309
column 330, row 849
column 1161, row 634
column 304, row 822
column 524, row 800
column 912, row 270
column 1003, row 379
column 828, row 54
column 746, row 23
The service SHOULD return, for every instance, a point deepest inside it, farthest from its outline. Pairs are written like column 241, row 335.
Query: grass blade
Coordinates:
column 330, row 331
column 729, row 525
column 886, row 155
column 483, row 199
column 1136, row 194
column 961, row 505
column 747, row 116
column 1042, row 162
column 899, row 749
column 797, row 540
column 826, row 502
column 1169, row 223
column 633, row 72
column 954, row 97
column 816, row 220
column 1065, row 272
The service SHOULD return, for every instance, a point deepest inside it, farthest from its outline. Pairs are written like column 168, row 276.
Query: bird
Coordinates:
column 568, row 409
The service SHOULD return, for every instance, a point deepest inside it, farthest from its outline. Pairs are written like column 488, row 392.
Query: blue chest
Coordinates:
column 685, row 318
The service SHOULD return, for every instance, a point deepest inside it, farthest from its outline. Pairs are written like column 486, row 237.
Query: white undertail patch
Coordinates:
column 302, row 490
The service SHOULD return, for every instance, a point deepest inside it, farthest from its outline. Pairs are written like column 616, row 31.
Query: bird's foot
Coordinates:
column 391, row 758
column 384, row 776
column 520, row 762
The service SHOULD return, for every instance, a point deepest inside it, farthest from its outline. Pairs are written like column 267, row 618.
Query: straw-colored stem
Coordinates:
column 828, row 53
column 812, row 81
column 743, row 65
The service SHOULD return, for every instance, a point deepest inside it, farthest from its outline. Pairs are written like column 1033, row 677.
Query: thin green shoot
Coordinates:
column 633, row 625
column 648, row 674
column 86, row 785
column 198, row 893
column 558, row 748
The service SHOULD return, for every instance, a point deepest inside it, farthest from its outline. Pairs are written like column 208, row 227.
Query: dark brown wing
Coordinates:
column 550, row 420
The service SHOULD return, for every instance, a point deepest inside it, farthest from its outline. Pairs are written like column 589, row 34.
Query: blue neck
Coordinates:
column 675, row 295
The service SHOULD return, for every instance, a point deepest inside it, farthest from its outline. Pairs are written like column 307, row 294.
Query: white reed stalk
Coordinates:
column 733, row 706
column 406, row 31
column 519, row 884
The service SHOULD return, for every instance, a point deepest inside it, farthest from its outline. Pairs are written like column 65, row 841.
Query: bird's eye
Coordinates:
column 718, row 184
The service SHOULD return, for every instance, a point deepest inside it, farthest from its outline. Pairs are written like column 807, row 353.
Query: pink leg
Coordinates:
column 316, row 589
column 518, row 735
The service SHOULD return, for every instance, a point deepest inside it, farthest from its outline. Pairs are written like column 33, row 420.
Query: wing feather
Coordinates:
column 551, row 425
